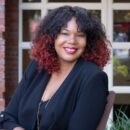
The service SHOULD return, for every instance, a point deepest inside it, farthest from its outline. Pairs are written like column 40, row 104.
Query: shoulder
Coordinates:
column 89, row 68
column 90, row 72
column 31, row 73
column 32, row 70
column 92, row 76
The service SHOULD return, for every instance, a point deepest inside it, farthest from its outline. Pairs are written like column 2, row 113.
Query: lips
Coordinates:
column 70, row 50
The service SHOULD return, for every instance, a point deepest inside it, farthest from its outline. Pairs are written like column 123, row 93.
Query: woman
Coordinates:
column 64, row 87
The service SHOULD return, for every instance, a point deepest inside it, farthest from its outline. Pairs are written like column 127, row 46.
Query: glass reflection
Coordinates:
column 121, row 70
column 74, row 0
column 121, row 26
column 96, row 13
column 31, row 1
column 31, row 20
column 26, row 59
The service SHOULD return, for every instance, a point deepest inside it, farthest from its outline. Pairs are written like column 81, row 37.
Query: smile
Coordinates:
column 70, row 50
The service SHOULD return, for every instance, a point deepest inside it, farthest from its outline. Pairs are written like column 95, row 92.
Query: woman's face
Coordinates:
column 70, row 42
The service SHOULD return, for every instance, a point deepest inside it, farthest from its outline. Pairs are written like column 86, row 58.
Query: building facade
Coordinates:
column 17, row 26
column 2, row 53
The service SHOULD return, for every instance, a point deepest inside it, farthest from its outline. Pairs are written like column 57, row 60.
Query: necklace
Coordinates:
column 38, row 111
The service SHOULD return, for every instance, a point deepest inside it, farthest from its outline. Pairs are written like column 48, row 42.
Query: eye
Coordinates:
column 81, row 35
column 64, row 33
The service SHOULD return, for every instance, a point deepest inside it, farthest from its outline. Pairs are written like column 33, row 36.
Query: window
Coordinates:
column 31, row 1
column 121, row 59
column 120, row 16
column 121, row 26
column 74, row 0
column 31, row 19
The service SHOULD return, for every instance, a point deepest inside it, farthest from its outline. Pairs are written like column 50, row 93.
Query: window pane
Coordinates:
column 121, row 25
column 121, row 64
column 122, row 1
column 74, row 0
column 31, row 0
column 30, row 21
column 26, row 59
column 97, row 13
column 94, row 12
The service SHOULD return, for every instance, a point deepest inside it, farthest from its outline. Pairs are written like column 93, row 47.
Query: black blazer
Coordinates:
column 77, row 105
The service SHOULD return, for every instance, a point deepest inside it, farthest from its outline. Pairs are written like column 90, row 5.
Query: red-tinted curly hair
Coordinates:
column 43, row 50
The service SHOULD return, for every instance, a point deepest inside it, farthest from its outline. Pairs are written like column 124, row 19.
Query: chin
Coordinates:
column 70, row 60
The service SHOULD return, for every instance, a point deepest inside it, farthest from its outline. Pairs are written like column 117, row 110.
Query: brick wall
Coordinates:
column 11, row 36
column 2, row 53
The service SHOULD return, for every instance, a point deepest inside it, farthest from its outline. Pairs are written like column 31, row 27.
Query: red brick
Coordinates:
column 11, row 35
column 2, row 2
column 2, row 104
column 2, row 21
column 1, row 95
column 2, row 48
column 1, row 101
column 2, row 62
column 2, row 55
column 2, row 28
column 2, row 87
column 2, row 15
column 2, row 77
column 2, row 68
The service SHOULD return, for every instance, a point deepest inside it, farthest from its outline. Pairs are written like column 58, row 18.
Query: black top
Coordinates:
column 77, row 105
column 40, row 113
column 42, row 108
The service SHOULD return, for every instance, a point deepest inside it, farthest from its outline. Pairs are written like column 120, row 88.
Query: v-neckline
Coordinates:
column 62, row 84
column 44, row 76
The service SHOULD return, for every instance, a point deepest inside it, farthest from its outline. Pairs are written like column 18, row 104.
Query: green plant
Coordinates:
column 120, row 68
column 122, row 122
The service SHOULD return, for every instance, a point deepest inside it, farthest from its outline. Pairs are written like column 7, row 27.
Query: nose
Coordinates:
column 72, row 40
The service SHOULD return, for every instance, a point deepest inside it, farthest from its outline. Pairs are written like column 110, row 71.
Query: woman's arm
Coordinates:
column 91, row 104
column 9, row 118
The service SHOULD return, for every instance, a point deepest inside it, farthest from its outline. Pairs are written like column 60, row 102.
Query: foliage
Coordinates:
column 122, row 122
column 119, row 68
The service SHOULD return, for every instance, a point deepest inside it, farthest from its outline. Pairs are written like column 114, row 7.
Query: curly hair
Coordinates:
column 43, row 50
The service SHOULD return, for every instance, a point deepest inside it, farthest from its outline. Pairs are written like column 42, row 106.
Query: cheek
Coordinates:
column 57, row 45
column 59, row 41
column 83, row 47
column 84, row 44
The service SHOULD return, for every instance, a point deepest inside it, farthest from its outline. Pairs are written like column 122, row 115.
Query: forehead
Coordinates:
column 72, row 24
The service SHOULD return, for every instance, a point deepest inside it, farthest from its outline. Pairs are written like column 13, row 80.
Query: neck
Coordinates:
column 65, row 68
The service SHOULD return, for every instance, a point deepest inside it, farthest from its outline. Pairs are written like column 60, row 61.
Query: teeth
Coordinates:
column 70, row 49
